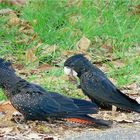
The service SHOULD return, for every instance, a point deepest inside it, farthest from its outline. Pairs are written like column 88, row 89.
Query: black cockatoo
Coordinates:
column 97, row 86
column 35, row 103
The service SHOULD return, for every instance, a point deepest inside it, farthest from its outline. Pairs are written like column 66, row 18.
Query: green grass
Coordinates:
column 2, row 96
column 112, row 21
column 127, row 74
column 109, row 23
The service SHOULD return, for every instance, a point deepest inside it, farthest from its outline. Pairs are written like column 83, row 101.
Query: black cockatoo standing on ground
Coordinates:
column 97, row 86
column 35, row 103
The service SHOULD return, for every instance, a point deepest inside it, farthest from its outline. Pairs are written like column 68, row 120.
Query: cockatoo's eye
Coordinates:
column 69, row 71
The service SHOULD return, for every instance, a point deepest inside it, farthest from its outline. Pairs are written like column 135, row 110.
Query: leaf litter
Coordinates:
column 56, row 130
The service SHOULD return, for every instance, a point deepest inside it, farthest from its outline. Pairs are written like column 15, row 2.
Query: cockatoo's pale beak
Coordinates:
column 69, row 71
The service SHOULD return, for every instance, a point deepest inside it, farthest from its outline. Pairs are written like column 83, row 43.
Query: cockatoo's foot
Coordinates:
column 18, row 117
column 114, row 109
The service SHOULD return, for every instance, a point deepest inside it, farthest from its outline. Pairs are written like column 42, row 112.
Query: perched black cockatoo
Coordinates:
column 35, row 103
column 97, row 86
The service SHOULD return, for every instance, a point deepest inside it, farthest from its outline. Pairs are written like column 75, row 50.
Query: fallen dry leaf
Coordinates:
column 6, row 11
column 135, row 9
column 25, row 26
column 31, row 57
column 18, row 66
column 83, row 44
column 43, row 67
column 7, row 108
column 14, row 2
column 14, row 21
column 21, row 2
